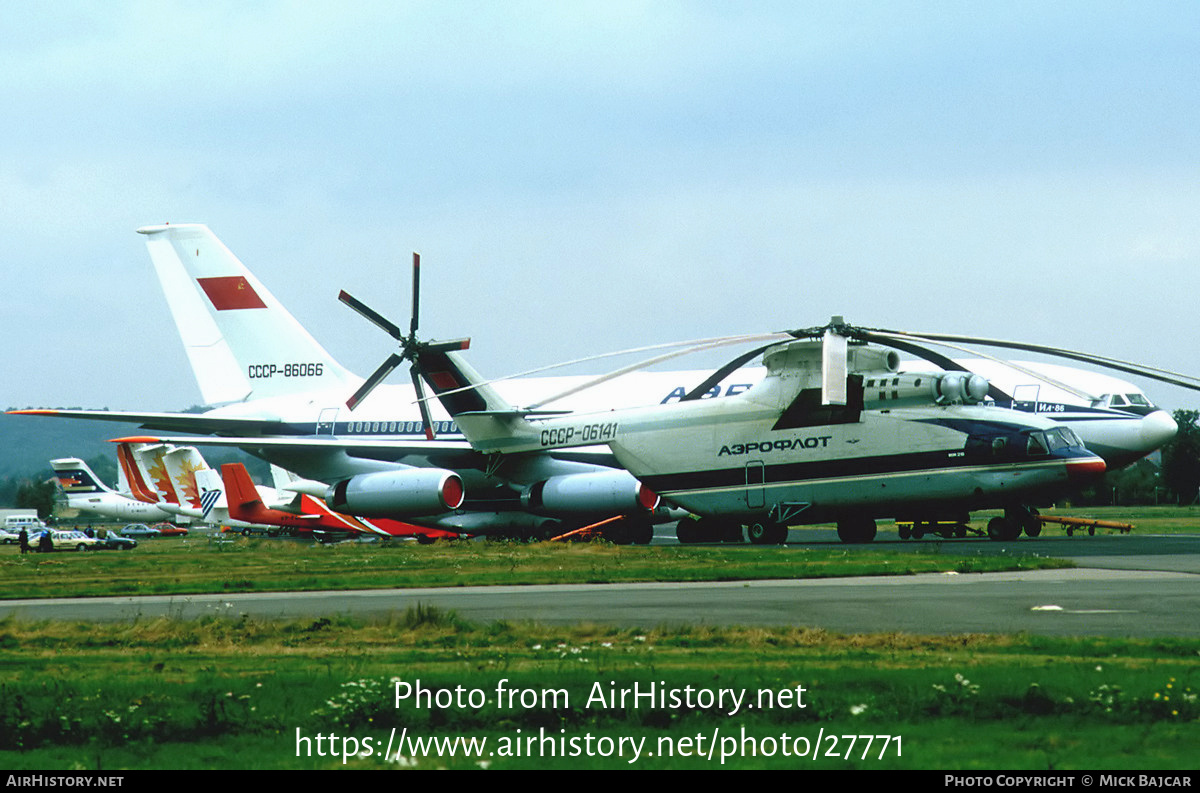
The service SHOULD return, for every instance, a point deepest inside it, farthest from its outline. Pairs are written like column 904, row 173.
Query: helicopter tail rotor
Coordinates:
column 410, row 348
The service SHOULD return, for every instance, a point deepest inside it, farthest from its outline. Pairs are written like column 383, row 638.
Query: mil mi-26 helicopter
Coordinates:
column 832, row 433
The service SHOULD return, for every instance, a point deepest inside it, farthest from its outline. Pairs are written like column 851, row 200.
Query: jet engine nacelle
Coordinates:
column 407, row 493
column 908, row 390
column 602, row 492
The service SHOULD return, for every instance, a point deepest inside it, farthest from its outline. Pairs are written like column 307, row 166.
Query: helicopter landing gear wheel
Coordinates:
column 857, row 530
column 767, row 532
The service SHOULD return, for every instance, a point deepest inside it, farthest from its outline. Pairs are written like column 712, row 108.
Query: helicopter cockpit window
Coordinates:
column 1061, row 438
column 1038, row 444
column 1138, row 400
column 1117, row 401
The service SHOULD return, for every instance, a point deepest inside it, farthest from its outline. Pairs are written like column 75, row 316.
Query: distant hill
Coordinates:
column 29, row 443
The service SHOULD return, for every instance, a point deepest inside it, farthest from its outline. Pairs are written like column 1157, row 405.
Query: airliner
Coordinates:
column 86, row 493
column 281, row 397
column 180, row 482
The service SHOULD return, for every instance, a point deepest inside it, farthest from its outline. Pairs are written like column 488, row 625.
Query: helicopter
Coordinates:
column 832, row 433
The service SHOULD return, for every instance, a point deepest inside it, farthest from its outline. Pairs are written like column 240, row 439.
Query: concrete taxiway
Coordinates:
column 1134, row 586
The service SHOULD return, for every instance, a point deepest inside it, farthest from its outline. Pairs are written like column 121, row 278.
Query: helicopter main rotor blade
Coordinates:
column 708, row 345
column 726, row 370
column 374, row 316
column 375, row 379
column 936, row 358
column 695, row 345
column 416, row 294
column 1016, row 367
column 1151, row 372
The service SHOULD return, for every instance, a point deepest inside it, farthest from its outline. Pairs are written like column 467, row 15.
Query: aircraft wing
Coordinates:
column 167, row 422
column 313, row 454
column 307, row 442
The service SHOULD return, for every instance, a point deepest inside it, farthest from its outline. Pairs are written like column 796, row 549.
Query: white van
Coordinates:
column 30, row 523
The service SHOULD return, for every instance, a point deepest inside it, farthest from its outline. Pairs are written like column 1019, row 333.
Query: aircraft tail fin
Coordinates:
column 240, row 492
column 211, row 492
column 241, row 342
column 248, row 503
column 74, row 477
column 134, row 475
column 487, row 420
column 149, row 462
column 457, row 385
column 183, row 464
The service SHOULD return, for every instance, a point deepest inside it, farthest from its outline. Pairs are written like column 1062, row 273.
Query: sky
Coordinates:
column 584, row 177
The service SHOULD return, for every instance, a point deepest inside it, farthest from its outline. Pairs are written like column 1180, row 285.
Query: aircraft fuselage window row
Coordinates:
column 398, row 427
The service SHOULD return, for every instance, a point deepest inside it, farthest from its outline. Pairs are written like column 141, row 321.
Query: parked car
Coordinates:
column 115, row 542
column 64, row 540
column 138, row 530
column 170, row 530
column 9, row 537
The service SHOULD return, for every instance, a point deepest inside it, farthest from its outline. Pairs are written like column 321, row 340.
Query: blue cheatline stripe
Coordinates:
column 846, row 468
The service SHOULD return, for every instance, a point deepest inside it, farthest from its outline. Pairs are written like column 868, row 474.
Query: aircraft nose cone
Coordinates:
column 1157, row 428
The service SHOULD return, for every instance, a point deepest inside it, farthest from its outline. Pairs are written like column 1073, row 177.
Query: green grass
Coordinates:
column 232, row 694
column 196, row 565
column 220, row 693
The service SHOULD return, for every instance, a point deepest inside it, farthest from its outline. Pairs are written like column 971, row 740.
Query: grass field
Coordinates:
column 196, row 564
column 238, row 694
column 247, row 694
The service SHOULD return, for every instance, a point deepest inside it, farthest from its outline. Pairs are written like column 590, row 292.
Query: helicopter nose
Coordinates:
column 1156, row 429
column 1085, row 469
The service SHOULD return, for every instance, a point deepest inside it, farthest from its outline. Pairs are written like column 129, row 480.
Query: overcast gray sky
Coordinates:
column 581, row 177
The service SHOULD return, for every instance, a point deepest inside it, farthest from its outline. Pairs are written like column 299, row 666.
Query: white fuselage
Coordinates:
column 776, row 450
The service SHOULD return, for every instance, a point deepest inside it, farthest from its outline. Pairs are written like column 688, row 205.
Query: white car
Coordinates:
column 66, row 540
column 9, row 537
column 139, row 530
